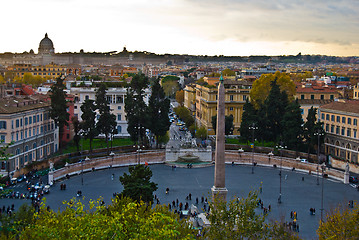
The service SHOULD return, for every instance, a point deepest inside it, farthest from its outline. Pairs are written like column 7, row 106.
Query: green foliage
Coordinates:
column 137, row 184
column 185, row 115
column 292, row 126
column 340, row 224
column 164, row 138
column 228, row 72
column 228, row 127
column 169, row 78
column 88, row 124
column 262, row 86
column 201, row 133
column 136, row 108
column 311, row 126
column 58, row 111
column 237, row 219
column 77, row 128
column 123, row 219
column 157, row 111
column 249, row 117
column 170, row 87
column 106, row 124
column 180, row 97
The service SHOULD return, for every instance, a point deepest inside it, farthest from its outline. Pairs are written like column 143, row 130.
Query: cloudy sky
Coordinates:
column 205, row 27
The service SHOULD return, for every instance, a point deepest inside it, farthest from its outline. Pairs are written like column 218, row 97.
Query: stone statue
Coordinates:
column 347, row 168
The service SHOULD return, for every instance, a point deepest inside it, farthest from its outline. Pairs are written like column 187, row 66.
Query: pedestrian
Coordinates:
column 297, row 227
column 209, row 208
column 112, row 176
column 177, row 202
column 169, row 206
column 204, row 207
column 303, row 179
column 202, row 199
column 291, row 214
column 190, row 196
column 173, row 204
column 196, row 200
column 167, row 190
column 269, row 207
column 205, row 201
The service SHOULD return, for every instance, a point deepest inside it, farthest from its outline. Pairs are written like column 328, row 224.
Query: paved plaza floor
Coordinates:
column 297, row 195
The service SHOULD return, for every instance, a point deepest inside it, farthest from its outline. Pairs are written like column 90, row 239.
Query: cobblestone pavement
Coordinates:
column 299, row 190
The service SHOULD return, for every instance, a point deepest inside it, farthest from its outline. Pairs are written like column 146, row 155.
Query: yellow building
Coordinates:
column 356, row 91
column 340, row 120
column 47, row 71
column 202, row 100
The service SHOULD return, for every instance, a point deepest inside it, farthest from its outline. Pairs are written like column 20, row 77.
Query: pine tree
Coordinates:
column 88, row 124
column 292, row 126
column 136, row 108
column 311, row 126
column 77, row 136
column 158, row 108
column 228, row 124
column 106, row 123
column 249, row 117
column 58, row 110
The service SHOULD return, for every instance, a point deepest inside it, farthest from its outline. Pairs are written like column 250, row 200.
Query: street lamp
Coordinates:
column 322, row 207
column 319, row 133
column 112, row 154
column 82, row 169
column 240, row 151
column 253, row 127
column 280, row 172
column 269, row 156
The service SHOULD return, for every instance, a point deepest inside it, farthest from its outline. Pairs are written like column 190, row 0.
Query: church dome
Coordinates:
column 46, row 45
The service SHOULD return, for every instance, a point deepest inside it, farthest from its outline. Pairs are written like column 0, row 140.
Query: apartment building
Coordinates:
column 340, row 120
column 25, row 121
column 203, row 99
column 116, row 99
column 45, row 71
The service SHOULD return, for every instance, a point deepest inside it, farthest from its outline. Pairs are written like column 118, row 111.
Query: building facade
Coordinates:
column 26, row 122
column 340, row 120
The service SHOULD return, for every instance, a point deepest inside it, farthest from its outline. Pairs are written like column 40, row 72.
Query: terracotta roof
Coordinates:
column 21, row 104
column 314, row 101
column 351, row 106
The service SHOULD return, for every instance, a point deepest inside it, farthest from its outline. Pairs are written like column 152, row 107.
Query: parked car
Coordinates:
column 303, row 160
column 47, row 189
column 353, row 179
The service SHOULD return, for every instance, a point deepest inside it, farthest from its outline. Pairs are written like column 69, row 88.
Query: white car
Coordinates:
column 303, row 160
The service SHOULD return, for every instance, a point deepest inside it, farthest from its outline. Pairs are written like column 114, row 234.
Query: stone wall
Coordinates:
column 341, row 165
column 204, row 155
column 106, row 162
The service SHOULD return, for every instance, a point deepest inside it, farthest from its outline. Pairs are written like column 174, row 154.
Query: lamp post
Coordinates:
column 253, row 127
column 240, row 151
column 321, row 206
column 112, row 154
column 82, row 169
column 319, row 133
column 269, row 156
column 280, row 172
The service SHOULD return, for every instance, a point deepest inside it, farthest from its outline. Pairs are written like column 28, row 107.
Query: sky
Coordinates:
column 198, row 27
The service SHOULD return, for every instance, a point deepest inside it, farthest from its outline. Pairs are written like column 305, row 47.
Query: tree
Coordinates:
column 274, row 109
column 106, row 123
column 158, row 108
column 123, row 219
column 340, row 224
column 311, row 126
column 249, row 117
column 170, row 87
column 237, row 219
column 228, row 72
column 201, row 133
column 2, row 80
column 293, row 126
column 137, row 184
column 136, row 108
column 88, row 124
column 185, row 115
column 180, row 97
column 228, row 127
column 58, row 111
column 77, row 136
column 262, row 86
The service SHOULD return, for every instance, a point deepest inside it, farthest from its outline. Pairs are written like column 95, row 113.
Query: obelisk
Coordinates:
column 219, row 189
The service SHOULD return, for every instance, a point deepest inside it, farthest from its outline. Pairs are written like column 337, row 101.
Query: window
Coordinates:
column 244, row 97
column 2, row 138
column 331, row 97
column 17, row 123
column 338, row 119
column 26, row 121
column 343, row 119
column 119, row 117
column 38, row 118
column 322, row 97
column 323, row 116
column 354, row 133
column 119, row 99
column 337, row 130
column 42, row 129
column 75, row 107
column 231, row 97
column 355, row 122
column 29, row 132
column 12, row 137
column 348, row 132
column 332, row 118
column 20, row 122
column 332, row 128
column 12, row 124
column 231, row 109
column 30, row 120
column 34, row 118
column 327, row 127
column 349, row 121
column 25, row 134
column 343, row 131
column 119, row 129
column 311, row 96
column 302, row 96
column 2, row 124
column 109, row 99
column 22, row 135
column 119, row 107
column 327, row 117
column 17, row 136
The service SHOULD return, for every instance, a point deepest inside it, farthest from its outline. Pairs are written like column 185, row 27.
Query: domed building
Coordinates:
column 46, row 46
